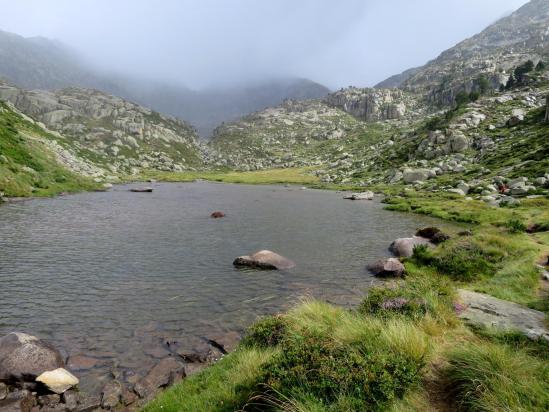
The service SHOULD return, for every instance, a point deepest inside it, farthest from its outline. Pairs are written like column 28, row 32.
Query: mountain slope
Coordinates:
column 114, row 134
column 39, row 63
column 30, row 159
column 491, row 54
column 207, row 109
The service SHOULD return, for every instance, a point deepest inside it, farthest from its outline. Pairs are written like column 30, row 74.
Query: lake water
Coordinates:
column 115, row 274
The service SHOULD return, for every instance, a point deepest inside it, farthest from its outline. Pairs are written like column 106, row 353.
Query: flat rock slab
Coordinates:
column 487, row 311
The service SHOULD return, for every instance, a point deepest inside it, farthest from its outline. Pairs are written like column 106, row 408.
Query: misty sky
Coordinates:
column 205, row 42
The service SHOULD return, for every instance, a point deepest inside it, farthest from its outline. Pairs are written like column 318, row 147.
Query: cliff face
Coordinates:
column 373, row 104
column 118, row 135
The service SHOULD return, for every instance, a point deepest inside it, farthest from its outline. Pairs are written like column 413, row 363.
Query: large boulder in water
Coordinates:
column 24, row 357
column 264, row 259
column 404, row 246
column 387, row 268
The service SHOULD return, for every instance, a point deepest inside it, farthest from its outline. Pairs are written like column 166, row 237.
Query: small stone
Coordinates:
column 128, row 397
column 70, row 398
column 110, row 394
column 58, row 380
column 88, row 403
column 390, row 267
column 3, row 391
column 49, row 400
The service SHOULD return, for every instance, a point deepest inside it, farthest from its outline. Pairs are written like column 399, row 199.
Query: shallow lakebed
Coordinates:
column 115, row 275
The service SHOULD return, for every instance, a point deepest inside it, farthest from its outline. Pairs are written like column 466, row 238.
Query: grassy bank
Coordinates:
column 271, row 176
column 27, row 166
column 403, row 348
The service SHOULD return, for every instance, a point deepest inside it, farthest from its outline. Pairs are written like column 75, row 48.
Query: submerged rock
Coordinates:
column 24, row 357
column 390, row 267
column 58, row 380
column 166, row 372
column 217, row 215
column 404, row 247
column 265, row 259
column 141, row 190
column 111, row 394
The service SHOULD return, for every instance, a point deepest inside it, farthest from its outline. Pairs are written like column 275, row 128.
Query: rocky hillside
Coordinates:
column 113, row 134
column 290, row 135
column 484, row 60
column 32, row 162
column 492, row 147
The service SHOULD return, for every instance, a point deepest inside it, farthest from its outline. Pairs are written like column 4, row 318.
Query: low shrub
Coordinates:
column 515, row 226
column 489, row 377
column 368, row 377
column 464, row 261
column 266, row 332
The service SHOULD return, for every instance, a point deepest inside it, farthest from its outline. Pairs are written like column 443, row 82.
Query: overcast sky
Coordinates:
column 204, row 42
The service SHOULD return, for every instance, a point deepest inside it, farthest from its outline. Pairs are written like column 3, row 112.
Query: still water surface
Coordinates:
column 115, row 274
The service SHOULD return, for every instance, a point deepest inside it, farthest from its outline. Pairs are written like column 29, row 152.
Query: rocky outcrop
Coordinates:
column 370, row 104
column 264, row 259
column 489, row 312
column 24, row 357
column 115, row 134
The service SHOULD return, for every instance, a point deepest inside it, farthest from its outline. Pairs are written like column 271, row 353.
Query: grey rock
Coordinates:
column 18, row 400
column 390, row 267
column 88, row 403
column 360, row 196
column 490, row 312
column 414, row 175
column 265, row 259
column 70, row 399
column 24, row 357
column 164, row 373
column 404, row 247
